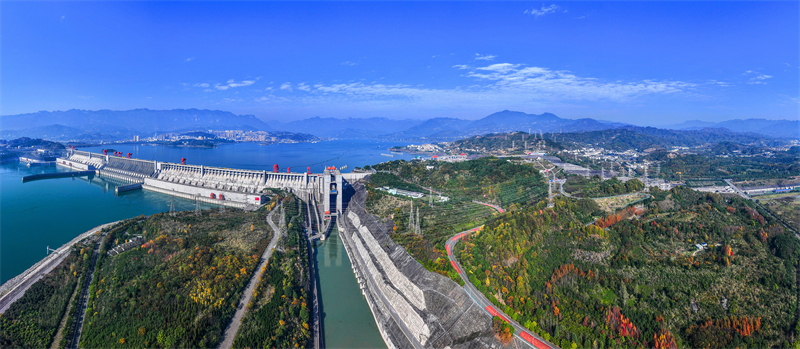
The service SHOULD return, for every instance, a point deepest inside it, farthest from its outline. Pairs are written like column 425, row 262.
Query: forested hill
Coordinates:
column 636, row 279
column 631, row 137
column 640, row 138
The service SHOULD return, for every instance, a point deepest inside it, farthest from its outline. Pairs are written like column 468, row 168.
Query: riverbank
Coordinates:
column 14, row 288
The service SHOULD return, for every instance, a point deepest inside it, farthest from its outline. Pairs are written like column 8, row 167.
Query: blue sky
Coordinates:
column 647, row 63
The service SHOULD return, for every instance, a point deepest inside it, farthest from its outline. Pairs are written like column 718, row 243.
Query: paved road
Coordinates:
column 51, row 261
column 17, row 293
column 498, row 208
column 737, row 190
column 233, row 327
column 521, row 332
column 744, row 195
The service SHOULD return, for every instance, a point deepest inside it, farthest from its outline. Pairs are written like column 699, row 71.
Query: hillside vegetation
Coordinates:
column 635, row 278
column 278, row 315
column 490, row 180
column 32, row 321
column 180, row 288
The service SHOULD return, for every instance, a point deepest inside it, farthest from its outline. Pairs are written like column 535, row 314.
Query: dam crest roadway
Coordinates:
column 220, row 186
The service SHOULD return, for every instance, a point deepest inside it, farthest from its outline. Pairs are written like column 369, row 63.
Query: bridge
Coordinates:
column 221, row 186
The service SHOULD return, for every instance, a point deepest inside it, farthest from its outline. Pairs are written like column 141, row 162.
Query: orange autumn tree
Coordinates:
column 620, row 324
column 625, row 213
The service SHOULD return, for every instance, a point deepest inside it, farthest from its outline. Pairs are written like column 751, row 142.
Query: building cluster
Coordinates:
column 428, row 147
column 411, row 194
column 232, row 135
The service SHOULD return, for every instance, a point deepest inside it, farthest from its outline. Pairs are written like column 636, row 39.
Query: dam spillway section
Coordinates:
column 222, row 186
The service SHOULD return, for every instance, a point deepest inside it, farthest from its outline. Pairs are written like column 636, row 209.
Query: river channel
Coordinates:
column 51, row 212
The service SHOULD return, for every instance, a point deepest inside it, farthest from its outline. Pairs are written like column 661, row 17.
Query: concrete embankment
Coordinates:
column 57, row 175
column 14, row 288
column 129, row 187
column 413, row 307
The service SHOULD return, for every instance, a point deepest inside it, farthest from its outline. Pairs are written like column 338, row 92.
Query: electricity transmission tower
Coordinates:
column 172, row 206
column 548, row 173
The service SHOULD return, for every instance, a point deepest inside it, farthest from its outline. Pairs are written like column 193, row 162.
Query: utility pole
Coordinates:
column 197, row 211
column 411, row 217
column 172, row 206
column 417, row 229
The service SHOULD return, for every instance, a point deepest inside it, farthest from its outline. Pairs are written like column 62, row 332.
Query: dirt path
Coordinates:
column 233, row 327
column 60, row 333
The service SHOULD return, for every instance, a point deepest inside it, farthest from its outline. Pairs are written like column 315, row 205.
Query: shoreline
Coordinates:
column 15, row 287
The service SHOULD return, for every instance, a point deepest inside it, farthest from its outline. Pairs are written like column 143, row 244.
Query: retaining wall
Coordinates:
column 450, row 318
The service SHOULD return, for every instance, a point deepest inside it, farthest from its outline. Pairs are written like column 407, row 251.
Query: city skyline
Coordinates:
column 641, row 63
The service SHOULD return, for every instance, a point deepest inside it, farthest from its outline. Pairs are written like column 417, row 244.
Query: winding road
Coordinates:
column 233, row 327
column 520, row 331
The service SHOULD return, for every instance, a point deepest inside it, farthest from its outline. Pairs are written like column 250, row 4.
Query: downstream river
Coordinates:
column 51, row 212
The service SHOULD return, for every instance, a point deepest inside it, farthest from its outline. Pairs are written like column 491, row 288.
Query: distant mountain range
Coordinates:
column 772, row 128
column 346, row 128
column 118, row 125
column 113, row 125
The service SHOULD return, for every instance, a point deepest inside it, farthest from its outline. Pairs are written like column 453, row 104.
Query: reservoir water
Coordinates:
column 51, row 212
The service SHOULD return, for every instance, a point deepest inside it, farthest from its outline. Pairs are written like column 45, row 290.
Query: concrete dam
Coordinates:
column 222, row 186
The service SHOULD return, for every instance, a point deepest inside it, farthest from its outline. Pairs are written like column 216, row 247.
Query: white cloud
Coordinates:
column 232, row 84
column 758, row 79
column 719, row 83
column 201, row 85
column 461, row 66
column 543, row 11
column 499, row 67
column 480, row 57
column 562, row 84
column 302, row 86
column 504, row 84
column 190, row 59
column 349, row 63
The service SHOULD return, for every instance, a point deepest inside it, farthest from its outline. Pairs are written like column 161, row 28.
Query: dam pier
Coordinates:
column 239, row 188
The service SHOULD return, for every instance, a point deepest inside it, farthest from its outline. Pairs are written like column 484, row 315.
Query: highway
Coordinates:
column 236, row 321
column 520, row 331
column 744, row 195
column 737, row 190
